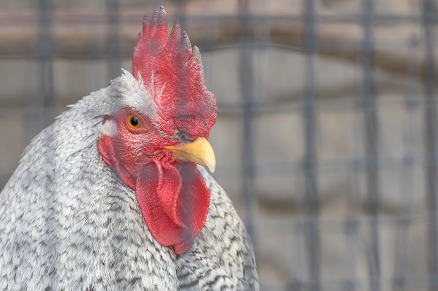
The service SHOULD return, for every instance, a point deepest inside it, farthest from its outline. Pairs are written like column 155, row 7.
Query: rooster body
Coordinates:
column 69, row 220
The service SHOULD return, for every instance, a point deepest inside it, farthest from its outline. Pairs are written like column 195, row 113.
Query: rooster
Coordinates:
column 114, row 194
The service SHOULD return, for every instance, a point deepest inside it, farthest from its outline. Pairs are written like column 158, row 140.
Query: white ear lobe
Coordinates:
column 108, row 127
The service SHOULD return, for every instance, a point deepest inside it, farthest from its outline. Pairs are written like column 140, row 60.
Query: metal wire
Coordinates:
column 429, row 10
column 311, row 201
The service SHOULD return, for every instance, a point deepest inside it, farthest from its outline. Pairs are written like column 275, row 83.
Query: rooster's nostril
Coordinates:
column 184, row 136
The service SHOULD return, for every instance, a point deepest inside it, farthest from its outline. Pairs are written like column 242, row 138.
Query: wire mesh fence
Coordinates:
column 326, row 136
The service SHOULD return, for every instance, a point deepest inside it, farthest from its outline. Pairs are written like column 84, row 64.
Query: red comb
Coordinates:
column 173, row 72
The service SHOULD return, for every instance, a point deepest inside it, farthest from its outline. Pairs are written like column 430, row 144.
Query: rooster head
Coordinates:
column 158, row 132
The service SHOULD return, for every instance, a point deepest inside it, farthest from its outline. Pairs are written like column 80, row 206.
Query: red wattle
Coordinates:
column 169, row 181
column 174, row 201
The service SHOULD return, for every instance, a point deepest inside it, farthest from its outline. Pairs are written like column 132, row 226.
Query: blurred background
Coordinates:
column 326, row 138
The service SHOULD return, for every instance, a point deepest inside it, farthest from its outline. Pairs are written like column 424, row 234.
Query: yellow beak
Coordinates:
column 199, row 152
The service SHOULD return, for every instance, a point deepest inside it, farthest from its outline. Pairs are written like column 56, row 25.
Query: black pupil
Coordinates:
column 133, row 120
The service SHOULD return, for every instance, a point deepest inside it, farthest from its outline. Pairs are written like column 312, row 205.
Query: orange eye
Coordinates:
column 133, row 121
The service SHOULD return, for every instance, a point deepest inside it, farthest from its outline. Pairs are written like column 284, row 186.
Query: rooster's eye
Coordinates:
column 133, row 122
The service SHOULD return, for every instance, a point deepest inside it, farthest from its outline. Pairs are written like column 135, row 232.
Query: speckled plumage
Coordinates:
column 68, row 222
